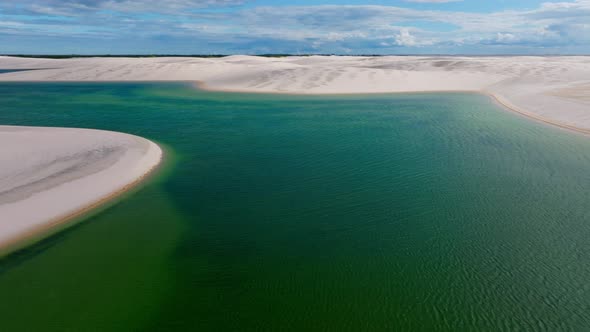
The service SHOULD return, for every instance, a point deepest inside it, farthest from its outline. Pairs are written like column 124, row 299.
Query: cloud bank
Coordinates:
column 239, row 26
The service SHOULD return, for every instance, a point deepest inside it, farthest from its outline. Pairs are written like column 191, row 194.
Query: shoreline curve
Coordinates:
column 499, row 99
column 502, row 101
column 144, row 167
column 550, row 89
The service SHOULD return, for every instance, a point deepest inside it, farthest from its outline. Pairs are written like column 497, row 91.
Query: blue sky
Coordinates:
column 294, row 26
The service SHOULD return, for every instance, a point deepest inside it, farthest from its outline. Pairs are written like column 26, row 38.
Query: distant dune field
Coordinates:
column 554, row 89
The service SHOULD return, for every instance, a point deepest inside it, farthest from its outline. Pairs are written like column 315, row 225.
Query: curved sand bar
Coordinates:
column 49, row 175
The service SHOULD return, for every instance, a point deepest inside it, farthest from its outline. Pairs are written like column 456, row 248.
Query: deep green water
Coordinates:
column 289, row 213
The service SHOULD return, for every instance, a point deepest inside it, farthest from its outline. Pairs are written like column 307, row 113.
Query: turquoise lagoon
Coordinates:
column 324, row 213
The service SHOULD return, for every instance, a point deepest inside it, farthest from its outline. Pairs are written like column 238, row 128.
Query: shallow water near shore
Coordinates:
column 300, row 213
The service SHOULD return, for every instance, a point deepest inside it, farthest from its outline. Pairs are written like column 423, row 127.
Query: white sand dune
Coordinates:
column 50, row 174
column 554, row 89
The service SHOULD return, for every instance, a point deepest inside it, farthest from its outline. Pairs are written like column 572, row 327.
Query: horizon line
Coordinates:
column 221, row 55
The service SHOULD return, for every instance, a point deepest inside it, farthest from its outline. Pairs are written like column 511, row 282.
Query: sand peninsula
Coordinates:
column 50, row 175
column 47, row 174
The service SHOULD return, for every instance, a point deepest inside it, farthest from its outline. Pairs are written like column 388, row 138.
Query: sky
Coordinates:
column 295, row 27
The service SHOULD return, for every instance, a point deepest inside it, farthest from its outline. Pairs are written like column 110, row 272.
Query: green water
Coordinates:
column 289, row 213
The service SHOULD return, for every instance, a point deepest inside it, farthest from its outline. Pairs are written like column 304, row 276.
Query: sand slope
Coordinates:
column 48, row 174
column 555, row 88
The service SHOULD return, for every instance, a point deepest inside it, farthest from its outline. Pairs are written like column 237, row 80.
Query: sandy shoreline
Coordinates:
column 506, row 104
column 54, row 179
column 551, row 89
column 60, row 223
column 500, row 100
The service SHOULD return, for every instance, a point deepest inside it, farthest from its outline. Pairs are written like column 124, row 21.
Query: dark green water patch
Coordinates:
column 348, row 213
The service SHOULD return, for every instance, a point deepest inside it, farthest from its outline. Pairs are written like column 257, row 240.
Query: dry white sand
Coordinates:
column 553, row 89
column 50, row 174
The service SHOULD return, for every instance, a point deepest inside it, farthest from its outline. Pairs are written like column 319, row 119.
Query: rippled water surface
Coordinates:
column 332, row 213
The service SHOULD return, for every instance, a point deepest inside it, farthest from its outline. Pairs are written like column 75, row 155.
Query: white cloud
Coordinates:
column 506, row 37
column 321, row 27
column 80, row 7
column 404, row 38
